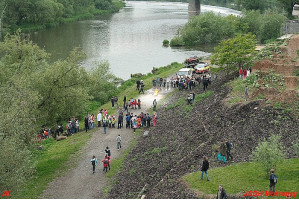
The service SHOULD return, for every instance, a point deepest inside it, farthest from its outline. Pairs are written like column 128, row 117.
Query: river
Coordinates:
column 130, row 40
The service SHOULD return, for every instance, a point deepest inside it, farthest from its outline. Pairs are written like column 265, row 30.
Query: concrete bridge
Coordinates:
column 194, row 7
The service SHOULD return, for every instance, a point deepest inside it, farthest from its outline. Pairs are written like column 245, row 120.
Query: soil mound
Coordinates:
column 285, row 63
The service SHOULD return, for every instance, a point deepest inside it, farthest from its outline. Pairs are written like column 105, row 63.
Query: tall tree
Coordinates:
column 234, row 53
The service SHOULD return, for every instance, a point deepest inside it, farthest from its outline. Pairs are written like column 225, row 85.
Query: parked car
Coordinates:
column 201, row 67
column 185, row 72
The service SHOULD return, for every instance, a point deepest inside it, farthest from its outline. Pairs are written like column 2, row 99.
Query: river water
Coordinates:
column 130, row 40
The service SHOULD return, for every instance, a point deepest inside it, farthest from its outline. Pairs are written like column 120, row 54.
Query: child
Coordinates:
column 113, row 122
column 94, row 162
column 134, row 125
column 138, row 122
column 155, row 119
column 106, row 162
column 139, row 104
column 135, row 104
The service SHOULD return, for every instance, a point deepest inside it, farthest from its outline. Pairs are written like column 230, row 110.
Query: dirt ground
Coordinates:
column 178, row 143
column 285, row 63
column 79, row 182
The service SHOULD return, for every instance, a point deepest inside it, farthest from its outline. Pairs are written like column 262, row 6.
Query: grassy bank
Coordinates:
column 239, row 178
column 51, row 161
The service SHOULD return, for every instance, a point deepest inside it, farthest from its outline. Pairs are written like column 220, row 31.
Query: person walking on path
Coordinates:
column 246, row 93
column 273, row 180
column 107, row 151
column 106, row 162
column 222, row 153
column 155, row 104
column 94, row 162
column 221, row 194
column 204, row 168
column 118, row 140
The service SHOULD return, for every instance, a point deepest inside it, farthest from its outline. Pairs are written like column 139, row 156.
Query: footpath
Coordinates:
column 79, row 182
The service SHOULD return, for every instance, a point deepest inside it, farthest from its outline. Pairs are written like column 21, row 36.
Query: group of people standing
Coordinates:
column 141, row 120
column 243, row 73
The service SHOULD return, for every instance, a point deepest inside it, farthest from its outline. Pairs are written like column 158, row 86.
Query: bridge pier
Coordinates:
column 194, row 7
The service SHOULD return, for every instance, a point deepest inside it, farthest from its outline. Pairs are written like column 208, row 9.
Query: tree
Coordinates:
column 234, row 53
column 102, row 83
column 269, row 153
column 2, row 10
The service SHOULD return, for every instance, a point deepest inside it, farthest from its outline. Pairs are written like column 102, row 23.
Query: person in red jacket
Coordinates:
column 244, row 73
column 241, row 73
column 106, row 163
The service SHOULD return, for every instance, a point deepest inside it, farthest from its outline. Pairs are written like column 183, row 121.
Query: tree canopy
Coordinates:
column 234, row 53
column 34, row 92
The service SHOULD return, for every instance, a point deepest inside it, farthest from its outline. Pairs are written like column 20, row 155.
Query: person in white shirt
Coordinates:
column 99, row 119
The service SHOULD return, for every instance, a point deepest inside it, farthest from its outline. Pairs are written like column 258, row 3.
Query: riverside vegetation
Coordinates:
column 211, row 28
column 32, row 15
column 35, row 92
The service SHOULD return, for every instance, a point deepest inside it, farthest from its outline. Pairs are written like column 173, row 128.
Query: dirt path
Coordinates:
column 79, row 182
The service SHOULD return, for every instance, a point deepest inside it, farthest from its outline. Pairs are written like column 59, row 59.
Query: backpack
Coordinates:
column 93, row 162
column 275, row 179
column 106, row 161
column 230, row 145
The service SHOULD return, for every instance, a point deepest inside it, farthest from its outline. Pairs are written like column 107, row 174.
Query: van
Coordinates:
column 185, row 72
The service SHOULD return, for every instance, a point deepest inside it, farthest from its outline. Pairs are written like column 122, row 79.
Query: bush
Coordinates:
column 207, row 28
column 165, row 42
column 269, row 153
column 177, row 42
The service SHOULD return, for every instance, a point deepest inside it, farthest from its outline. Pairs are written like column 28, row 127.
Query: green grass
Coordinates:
column 239, row 178
column 51, row 159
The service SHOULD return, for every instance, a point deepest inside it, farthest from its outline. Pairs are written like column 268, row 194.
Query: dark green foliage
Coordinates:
column 206, row 28
column 45, row 13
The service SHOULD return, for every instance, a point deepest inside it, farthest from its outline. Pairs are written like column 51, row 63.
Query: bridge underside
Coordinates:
column 194, row 7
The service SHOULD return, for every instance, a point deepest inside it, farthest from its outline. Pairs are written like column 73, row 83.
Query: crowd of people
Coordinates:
column 71, row 128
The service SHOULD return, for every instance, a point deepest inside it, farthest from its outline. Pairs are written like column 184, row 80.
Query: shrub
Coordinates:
column 165, row 42
column 207, row 28
column 177, row 42
column 269, row 153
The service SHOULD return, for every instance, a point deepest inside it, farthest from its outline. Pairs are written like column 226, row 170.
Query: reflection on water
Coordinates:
column 131, row 40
